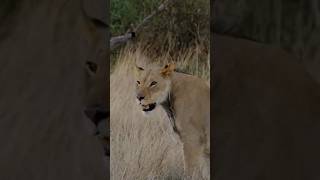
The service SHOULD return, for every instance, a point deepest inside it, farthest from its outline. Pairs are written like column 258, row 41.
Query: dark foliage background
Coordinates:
column 292, row 25
column 184, row 21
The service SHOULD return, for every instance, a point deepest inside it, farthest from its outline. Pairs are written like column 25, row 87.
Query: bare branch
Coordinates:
column 119, row 40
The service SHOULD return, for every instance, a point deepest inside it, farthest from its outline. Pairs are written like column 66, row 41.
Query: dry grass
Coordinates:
column 145, row 147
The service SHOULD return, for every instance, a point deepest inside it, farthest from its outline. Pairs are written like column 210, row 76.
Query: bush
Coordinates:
column 127, row 12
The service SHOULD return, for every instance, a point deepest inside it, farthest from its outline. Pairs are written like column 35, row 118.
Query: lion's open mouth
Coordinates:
column 148, row 107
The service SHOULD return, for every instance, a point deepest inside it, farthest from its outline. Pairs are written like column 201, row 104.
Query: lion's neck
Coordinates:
column 168, row 106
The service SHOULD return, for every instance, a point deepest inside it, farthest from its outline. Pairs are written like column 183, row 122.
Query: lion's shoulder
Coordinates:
column 187, row 86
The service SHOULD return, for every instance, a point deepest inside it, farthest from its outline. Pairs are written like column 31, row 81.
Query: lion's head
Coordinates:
column 152, row 84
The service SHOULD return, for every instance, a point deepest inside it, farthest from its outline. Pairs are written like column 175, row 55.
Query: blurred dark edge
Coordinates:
column 279, row 30
column 211, row 88
column 291, row 25
column 10, row 12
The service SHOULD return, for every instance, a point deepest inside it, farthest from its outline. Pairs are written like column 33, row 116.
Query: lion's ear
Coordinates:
column 167, row 70
column 138, row 65
column 137, row 70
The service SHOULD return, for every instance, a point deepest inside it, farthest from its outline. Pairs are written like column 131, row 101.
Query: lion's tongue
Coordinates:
column 148, row 107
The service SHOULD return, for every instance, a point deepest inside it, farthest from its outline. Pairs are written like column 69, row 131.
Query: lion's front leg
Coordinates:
column 193, row 135
column 193, row 154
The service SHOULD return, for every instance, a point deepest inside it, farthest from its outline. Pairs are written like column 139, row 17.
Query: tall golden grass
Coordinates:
column 146, row 147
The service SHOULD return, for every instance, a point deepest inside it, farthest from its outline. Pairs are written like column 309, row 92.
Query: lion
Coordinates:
column 96, row 107
column 186, row 101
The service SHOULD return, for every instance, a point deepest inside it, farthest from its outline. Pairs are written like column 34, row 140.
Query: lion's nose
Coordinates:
column 140, row 98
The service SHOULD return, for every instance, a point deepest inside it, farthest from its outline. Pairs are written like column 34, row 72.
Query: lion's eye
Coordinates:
column 92, row 67
column 139, row 68
column 138, row 82
column 153, row 83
